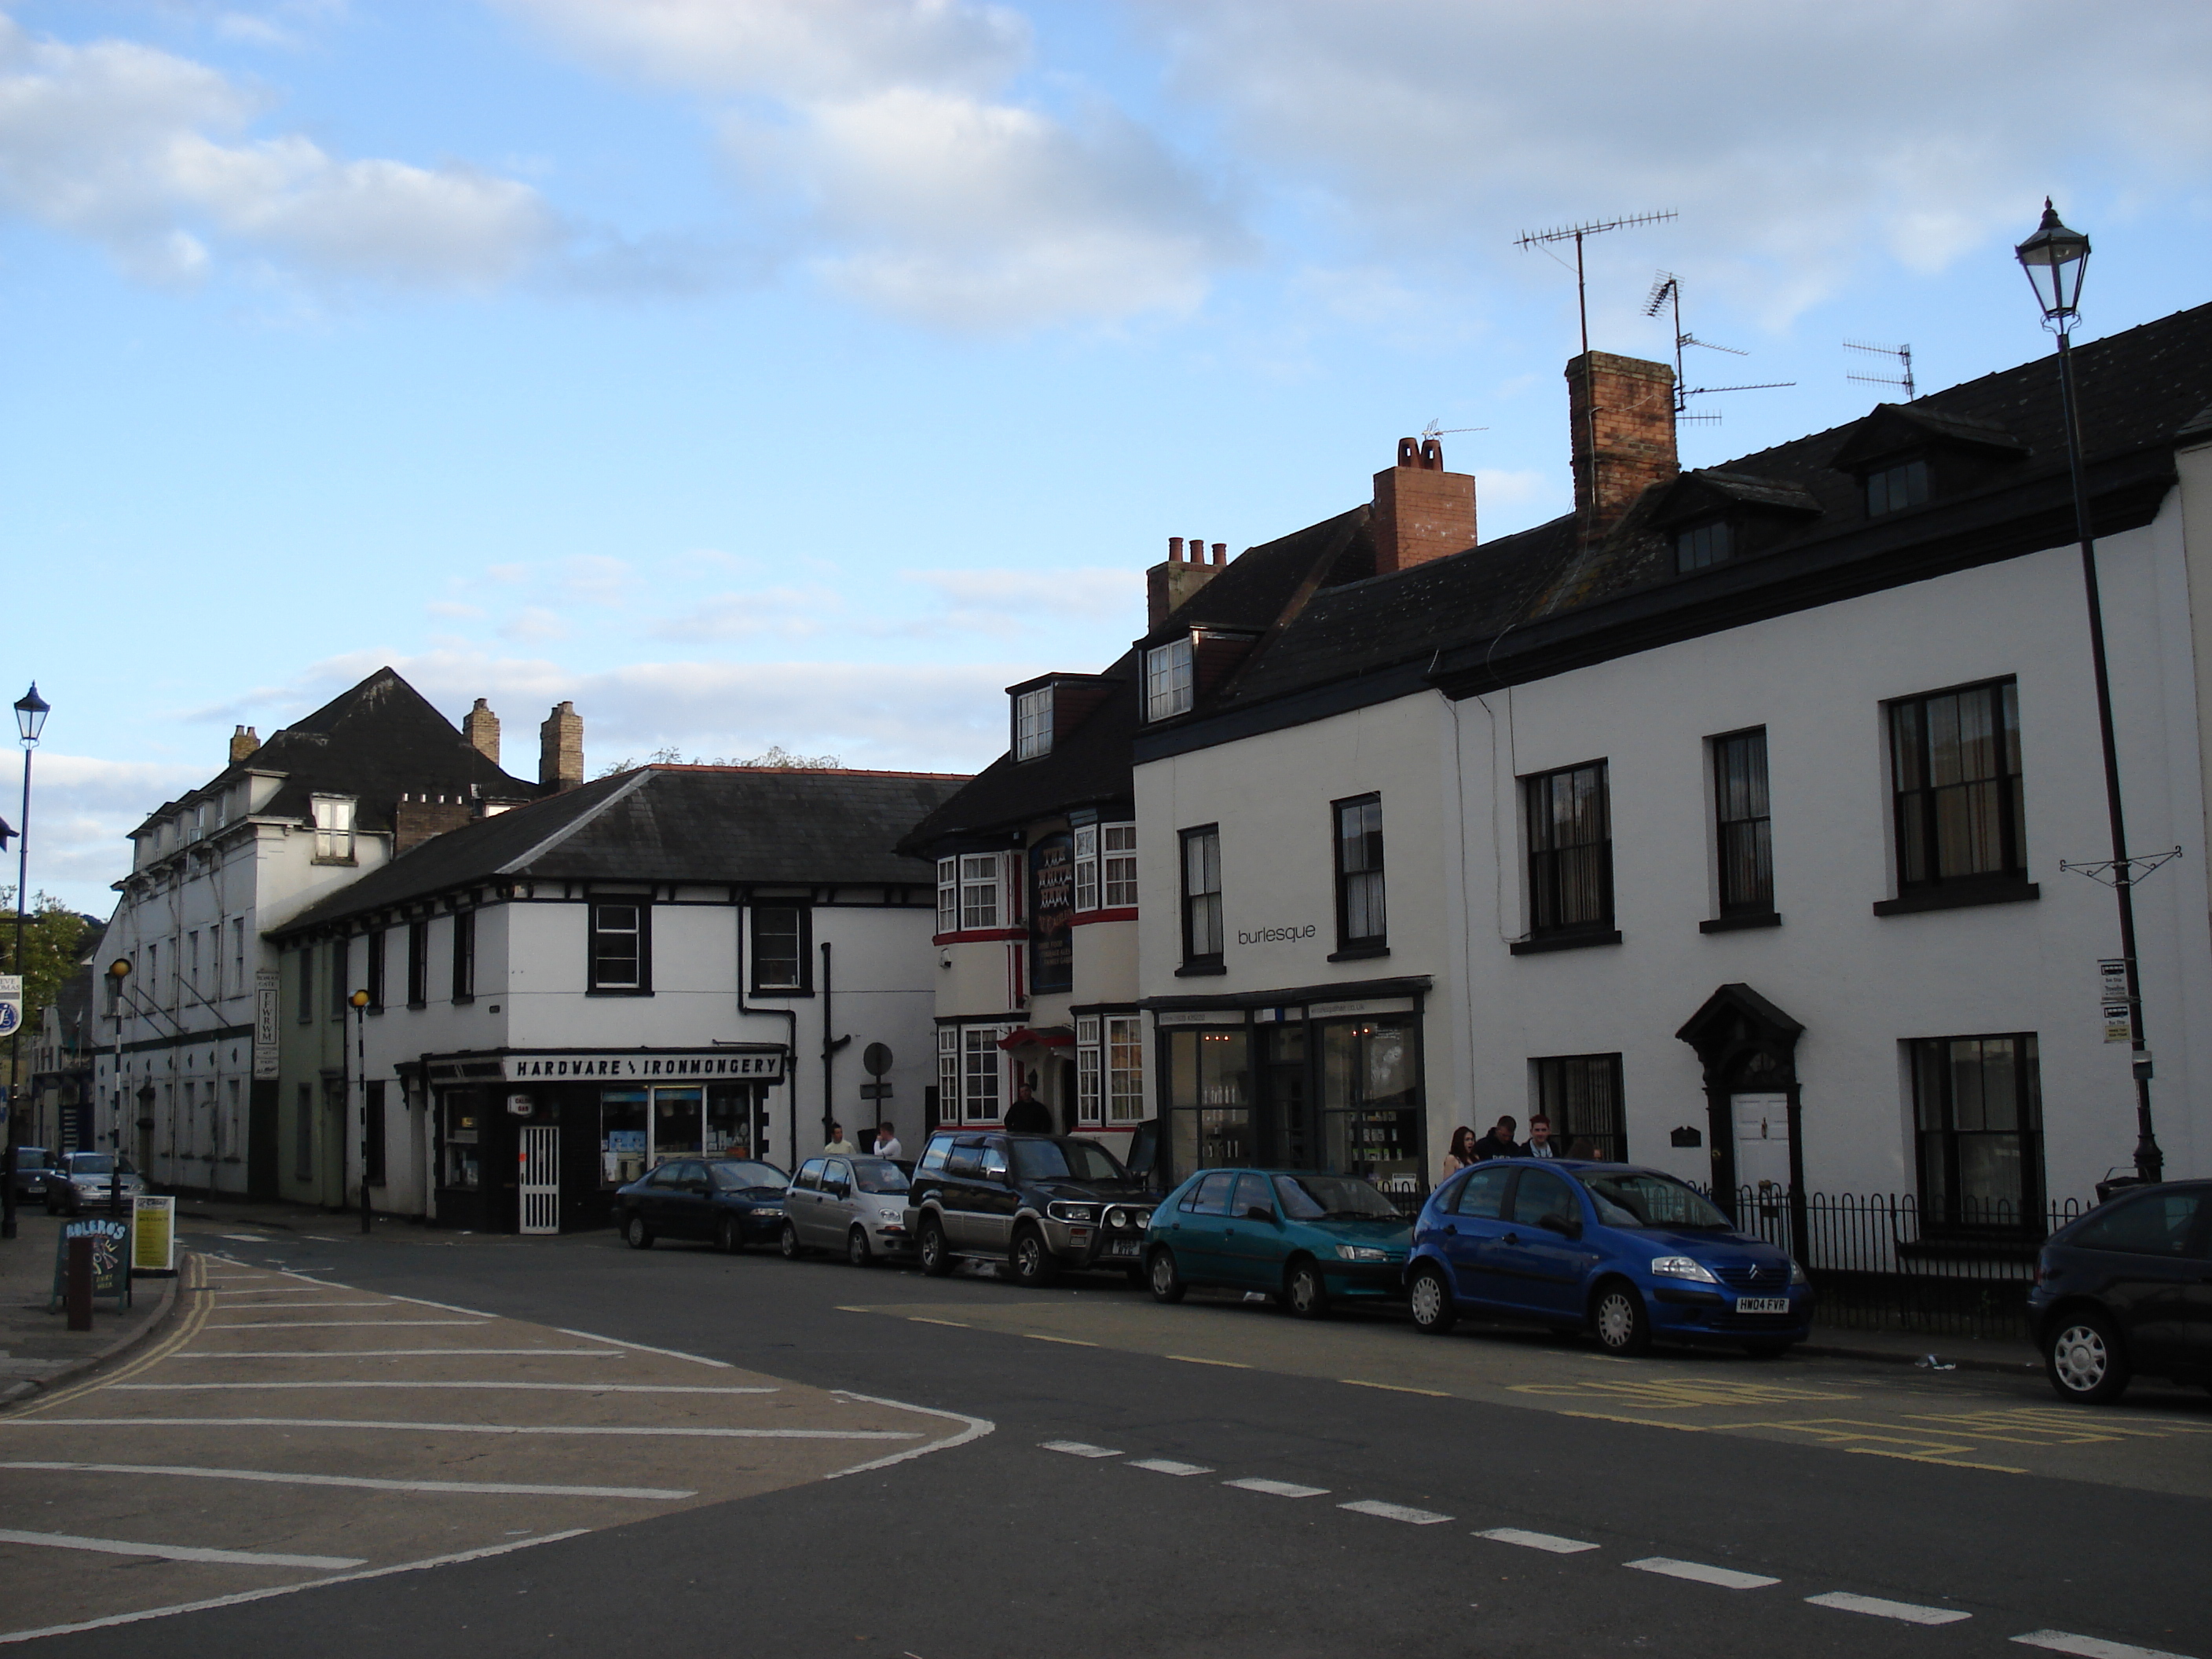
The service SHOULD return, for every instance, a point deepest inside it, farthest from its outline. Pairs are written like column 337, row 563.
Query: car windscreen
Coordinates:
column 1335, row 1198
column 879, row 1175
column 93, row 1164
column 1639, row 1198
column 1066, row 1160
column 734, row 1177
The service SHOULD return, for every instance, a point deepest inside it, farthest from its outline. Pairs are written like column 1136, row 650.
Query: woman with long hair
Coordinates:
column 1463, row 1150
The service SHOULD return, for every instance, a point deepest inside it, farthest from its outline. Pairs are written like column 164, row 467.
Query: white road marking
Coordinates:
column 1396, row 1512
column 668, row 1354
column 451, row 1428
column 246, row 1238
column 1537, row 1540
column 564, row 1388
column 1909, row 1612
column 491, row 1488
column 1078, row 1448
column 242, row 1596
column 262, row 1307
column 331, row 1324
column 1279, row 1488
column 972, row 1428
column 179, row 1552
column 1169, row 1465
column 1699, row 1573
column 2090, row 1647
column 392, row 1353
column 447, row 1307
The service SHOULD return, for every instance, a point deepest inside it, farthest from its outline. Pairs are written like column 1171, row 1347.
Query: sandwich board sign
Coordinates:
column 154, row 1235
column 110, row 1259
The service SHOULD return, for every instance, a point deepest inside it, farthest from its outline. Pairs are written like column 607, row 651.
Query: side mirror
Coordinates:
column 1258, row 1212
column 1566, row 1226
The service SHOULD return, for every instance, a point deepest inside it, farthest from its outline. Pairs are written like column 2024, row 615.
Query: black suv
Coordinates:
column 1039, row 1203
column 2128, row 1288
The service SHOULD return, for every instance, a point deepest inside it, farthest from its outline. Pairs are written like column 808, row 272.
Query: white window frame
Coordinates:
column 1168, row 680
column 1117, row 866
column 1033, row 723
column 334, row 828
column 948, row 1074
column 982, row 1074
column 1125, row 1068
column 948, row 896
column 1086, row 867
column 1090, row 1072
column 238, row 955
column 980, row 874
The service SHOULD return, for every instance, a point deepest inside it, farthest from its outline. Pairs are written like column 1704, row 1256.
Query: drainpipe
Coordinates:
column 829, row 1047
column 790, row 1041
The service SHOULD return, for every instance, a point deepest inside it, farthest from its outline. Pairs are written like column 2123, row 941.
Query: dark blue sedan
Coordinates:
column 1629, row 1255
column 729, row 1202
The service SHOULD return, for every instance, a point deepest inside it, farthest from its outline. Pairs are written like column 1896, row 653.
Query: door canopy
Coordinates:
column 1737, row 1032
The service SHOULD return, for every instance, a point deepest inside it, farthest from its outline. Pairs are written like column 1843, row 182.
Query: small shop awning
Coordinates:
column 1038, row 1037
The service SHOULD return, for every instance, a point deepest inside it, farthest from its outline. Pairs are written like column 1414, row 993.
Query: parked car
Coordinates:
column 2126, row 1290
column 856, row 1204
column 1308, row 1240
column 733, row 1201
column 1628, row 1253
column 30, row 1172
column 77, row 1182
column 1039, row 1203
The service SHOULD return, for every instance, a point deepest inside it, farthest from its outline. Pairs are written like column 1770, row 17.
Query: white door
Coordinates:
column 541, row 1178
column 1762, row 1140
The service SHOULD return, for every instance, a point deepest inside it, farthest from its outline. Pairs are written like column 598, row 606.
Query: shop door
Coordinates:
column 540, row 1164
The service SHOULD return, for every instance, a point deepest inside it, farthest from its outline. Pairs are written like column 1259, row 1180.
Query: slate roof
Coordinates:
column 374, row 742
column 711, row 824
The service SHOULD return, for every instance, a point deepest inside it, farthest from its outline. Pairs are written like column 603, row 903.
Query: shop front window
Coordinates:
column 1209, row 1097
column 677, row 1123
column 729, row 1118
column 1370, row 1100
column 621, row 1136
column 463, row 1109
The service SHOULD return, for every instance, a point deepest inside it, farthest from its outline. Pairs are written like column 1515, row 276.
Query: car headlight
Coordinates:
column 1071, row 1212
column 768, row 1209
column 1797, row 1273
column 1361, row 1253
column 1683, row 1267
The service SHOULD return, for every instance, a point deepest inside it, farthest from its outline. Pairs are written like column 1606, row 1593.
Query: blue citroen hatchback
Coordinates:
column 1631, row 1254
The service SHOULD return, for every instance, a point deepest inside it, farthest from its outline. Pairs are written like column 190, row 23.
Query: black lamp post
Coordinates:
column 2056, row 259
column 30, row 721
column 359, row 1003
column 118, row 975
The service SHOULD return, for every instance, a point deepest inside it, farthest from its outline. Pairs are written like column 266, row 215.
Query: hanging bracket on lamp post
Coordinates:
column 2109, row 871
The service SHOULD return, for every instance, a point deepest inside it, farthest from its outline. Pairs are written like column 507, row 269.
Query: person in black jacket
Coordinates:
column 1499, row 1142
column 1028, row 1115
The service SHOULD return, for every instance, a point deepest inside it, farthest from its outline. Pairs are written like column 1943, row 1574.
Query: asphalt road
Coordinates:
column 1722, row 1506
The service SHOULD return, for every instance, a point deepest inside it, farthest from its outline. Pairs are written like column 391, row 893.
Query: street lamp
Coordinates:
column 118, row 971
column 2056, row 259
column 359, row 1002
column 31, row 711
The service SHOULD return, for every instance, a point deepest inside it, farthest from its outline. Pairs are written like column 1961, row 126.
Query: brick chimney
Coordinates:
column 561, row 749
column 1421, row 511
column 1167, row 586
column 481, row 727
column 1623, row 412
column 243, row 743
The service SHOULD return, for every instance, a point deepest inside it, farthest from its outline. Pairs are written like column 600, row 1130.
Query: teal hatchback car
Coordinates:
column 1308, row 1240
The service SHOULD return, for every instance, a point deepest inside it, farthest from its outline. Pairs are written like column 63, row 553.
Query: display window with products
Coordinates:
column 1369, row 1099
column 464, row 1112
column 678, row 1123
column 621, row 1136
column 1209, row 1095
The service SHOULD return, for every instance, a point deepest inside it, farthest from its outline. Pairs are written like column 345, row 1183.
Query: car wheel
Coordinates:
column 1768, row 1347
column 787, row 1243
column 729, row 1238
column 1032, row 1262
column 1616, row 1316
column 1163, row 1278
column 2084, row 1360
column 1431, row 1299
column 1304, row 1293
column 856, row 1247
column 936, row 1253
column 636, row 1234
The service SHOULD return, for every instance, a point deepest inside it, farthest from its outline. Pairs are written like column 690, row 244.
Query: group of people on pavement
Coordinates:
column 886, row 1143
column 1466, row 1148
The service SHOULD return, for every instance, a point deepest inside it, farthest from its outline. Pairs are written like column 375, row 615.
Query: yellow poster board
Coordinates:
column 153, row 1236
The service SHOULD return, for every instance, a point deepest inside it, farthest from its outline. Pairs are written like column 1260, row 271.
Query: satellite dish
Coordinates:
column 875, row 1058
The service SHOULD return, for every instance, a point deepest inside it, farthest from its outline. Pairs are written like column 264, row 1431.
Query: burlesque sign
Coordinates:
column 1052, row 914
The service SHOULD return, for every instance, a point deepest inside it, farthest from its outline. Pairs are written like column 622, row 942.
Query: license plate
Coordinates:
column 1120, row 1246
column 1762, row 1304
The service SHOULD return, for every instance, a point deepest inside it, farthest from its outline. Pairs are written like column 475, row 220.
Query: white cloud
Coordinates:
column 1010, row 604
column 784, row 613
column 535, row 623
column 82, row 811
column 148, row 155
column 448, row 608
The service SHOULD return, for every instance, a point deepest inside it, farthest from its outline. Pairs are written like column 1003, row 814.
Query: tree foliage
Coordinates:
column 54, row 941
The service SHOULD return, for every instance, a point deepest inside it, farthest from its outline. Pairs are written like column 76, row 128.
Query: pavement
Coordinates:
column 37, row 1348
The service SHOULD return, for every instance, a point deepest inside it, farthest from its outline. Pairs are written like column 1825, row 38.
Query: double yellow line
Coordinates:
column 192, row 1276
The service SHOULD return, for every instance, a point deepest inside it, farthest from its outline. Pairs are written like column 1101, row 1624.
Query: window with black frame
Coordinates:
column 621, row 947
column 464, row 956
column 1702, row 545
column 1362, row 921
column 1955, row 773
column 1896, row 487
column 780, row 947
column 1201, row 897
column 418, row 964
column 1570, row 853
column 1742, row 824
column 1978, row 1108
column 1582, row 1096
column 376, row 978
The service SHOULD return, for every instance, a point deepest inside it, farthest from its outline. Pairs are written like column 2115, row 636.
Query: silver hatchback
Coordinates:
column 855, row 1204
column 77, row 1182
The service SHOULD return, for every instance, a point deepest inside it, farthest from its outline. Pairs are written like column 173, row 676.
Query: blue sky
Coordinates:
column 805, row 370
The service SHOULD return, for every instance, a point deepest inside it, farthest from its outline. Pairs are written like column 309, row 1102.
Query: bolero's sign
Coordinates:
column 758, row 1067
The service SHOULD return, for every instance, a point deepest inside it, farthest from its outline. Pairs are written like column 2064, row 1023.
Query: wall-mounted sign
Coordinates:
column 1051, row 914
column 11, row 1003
column 1359, row 1009
column 2112, row 979
column 1294, row 933
column 2119, row 1023
column 1202, row 1017
column 265, row 1024
column 521, row 1105
column 686, row 1067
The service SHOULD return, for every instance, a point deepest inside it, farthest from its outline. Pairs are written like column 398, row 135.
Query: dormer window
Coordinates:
column 1033, row 723
column 1168, row 680
column 1894, row 488
column 1702, row 545
column 334, row 816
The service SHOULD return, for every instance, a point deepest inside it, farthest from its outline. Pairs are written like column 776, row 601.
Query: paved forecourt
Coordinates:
column 288, row 1432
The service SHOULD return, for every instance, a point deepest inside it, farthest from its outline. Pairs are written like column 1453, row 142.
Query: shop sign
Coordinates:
column 11, row 1003
column 111, row 1258
column 265, row 1024
column 154, row 1235
column 1360, row 1009
column 557, row 1068
column 1202, row 1017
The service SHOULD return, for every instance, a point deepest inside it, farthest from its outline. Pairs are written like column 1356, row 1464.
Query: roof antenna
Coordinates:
column 1667, row 290
column 1902, row 379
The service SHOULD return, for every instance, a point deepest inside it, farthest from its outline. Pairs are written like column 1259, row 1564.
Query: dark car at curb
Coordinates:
column 2126, row 1291
column 728, row 1202
column 1629, row 1255
column 1042, row 1204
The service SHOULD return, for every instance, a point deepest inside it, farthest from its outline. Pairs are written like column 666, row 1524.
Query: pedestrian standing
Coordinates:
column 887, row 1142
column 1539, row 1138
column 1499, row 1142
column 1462, row 1152
column 838, row 1141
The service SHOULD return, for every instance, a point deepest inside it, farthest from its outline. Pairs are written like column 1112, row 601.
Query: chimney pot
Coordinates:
column 1623, row 412
column 1174, row 548
column 481, row 727
column 1221, row 552
column 1421, row 511
column 561, row 749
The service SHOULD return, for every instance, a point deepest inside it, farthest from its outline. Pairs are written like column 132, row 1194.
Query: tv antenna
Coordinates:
column 1576, row 234
column 1432, row 430
column 1667, row 291
column 1902, row 379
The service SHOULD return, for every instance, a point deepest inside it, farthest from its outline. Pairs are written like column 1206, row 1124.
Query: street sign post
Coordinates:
column 2118, row 1012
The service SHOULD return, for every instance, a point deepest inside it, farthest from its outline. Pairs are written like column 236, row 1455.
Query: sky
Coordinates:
column 804, row 372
